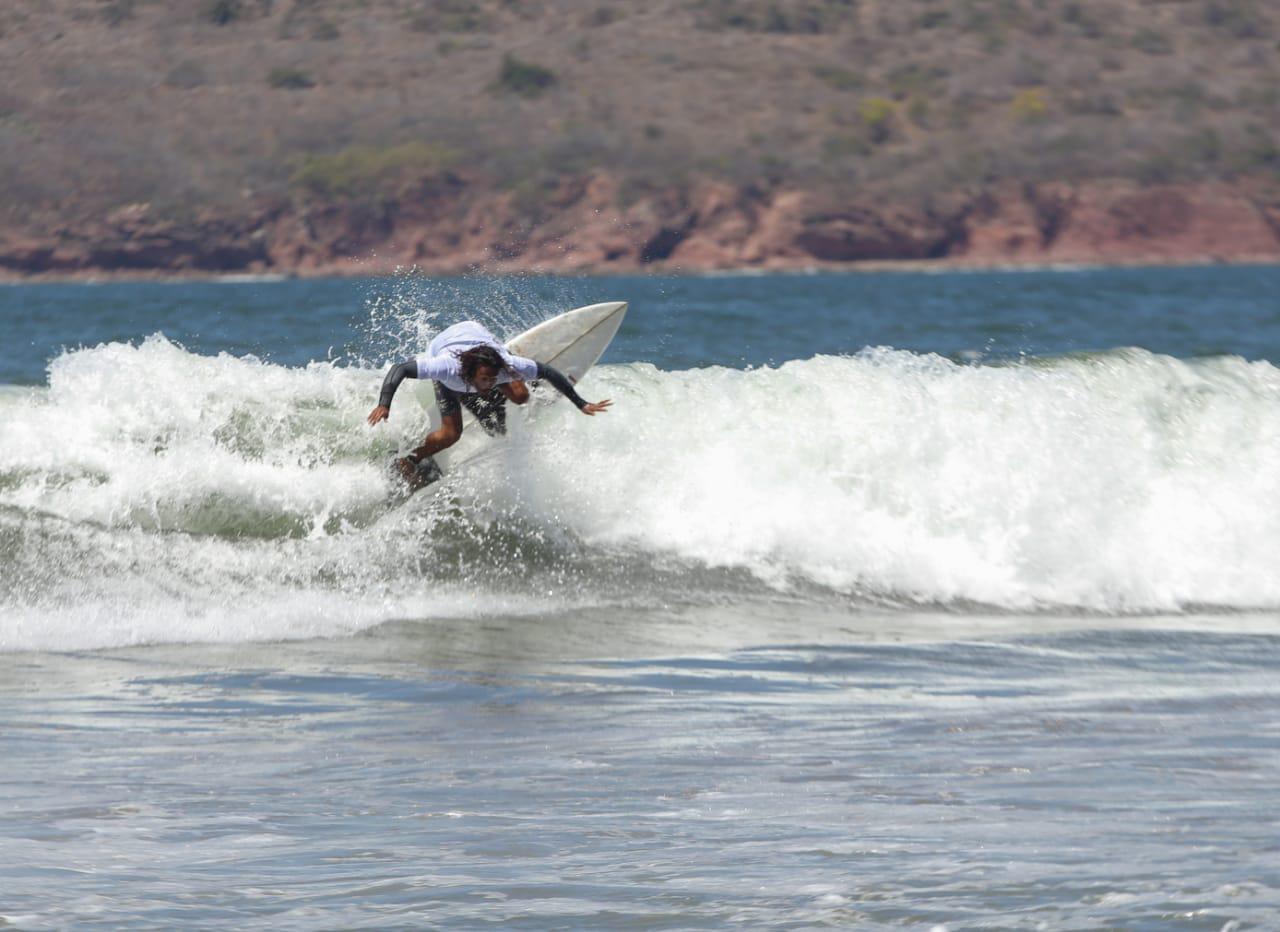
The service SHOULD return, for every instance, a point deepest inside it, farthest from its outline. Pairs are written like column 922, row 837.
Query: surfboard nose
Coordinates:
column 602, row 310
column 599, row 322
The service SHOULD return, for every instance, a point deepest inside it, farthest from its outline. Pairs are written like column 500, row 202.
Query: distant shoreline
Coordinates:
column 878, row 266
column 705, row 227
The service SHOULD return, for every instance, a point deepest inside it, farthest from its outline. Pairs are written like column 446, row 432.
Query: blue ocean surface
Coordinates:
column 735, row 320
column 877, row 601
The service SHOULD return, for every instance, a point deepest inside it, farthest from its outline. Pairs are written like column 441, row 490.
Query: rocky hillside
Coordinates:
column 298, row 135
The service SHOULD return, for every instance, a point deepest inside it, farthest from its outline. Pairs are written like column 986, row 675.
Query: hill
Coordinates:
column 317, row 134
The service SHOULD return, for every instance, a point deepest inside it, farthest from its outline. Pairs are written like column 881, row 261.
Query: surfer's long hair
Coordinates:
column 480, row 357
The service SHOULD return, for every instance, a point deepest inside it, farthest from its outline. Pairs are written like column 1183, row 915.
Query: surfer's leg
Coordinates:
column 450, row 429
column 443, row 437
column 418, row 469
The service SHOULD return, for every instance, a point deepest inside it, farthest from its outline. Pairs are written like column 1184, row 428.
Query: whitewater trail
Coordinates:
column 147, row 483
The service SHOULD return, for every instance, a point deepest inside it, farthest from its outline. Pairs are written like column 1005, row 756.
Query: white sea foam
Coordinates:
column 153, row 494
column 1124, row 481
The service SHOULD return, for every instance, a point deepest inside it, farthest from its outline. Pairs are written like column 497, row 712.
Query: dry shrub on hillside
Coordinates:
column 778, row 16
column 522, row 78
column 173, row 100
column 369, row 171
column 451, row 16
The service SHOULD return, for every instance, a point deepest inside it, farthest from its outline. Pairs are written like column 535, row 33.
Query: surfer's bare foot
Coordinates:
column 409, row 472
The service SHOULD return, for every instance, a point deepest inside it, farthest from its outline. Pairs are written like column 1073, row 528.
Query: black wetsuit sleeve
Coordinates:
column 563, row 385
column 406, row 370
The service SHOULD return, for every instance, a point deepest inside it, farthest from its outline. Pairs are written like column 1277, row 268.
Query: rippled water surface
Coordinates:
column 887, row 601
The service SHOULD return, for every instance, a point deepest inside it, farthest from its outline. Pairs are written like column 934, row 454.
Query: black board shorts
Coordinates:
column 489, row 408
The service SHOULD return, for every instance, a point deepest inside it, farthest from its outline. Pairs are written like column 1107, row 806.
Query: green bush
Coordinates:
column 290, row 79
column 1158, row 168
column 1189, row 98
column 1029, row 71
column 531, row 196
column 1029, row 105
column 1091, row 103
column 804, row 17
column 966, row 167
column 845, row 146
column 1203, row 147
column 774, row 167
column 1260, row 97
column 601, row 16
column 1239, row 19
column 222, row 12
column 918, row 111
column 932, row 19
column 185, row 75
column 876, row 114
column 115, row 12
column 361, row 171
column 451, row 16
column 524, row 79
column 842, row 79
column 993, row 20
column 958, row 112
column 1152, row 42
column 1075, row 14
column 1256, row 152
column 914, row 78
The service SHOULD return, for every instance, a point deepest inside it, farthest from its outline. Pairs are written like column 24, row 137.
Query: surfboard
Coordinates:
column 572, row 342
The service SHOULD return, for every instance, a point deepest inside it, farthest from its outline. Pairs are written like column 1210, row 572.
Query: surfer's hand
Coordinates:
column 595, row 407
column 378, row 414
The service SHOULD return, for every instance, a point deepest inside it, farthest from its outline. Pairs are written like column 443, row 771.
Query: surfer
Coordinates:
column 471, row 369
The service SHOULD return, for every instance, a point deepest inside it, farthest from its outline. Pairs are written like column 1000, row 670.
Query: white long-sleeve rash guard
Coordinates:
column 441, row 364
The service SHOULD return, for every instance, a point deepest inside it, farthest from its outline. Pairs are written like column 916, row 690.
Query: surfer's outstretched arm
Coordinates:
column 398, row 373
column 565, row 387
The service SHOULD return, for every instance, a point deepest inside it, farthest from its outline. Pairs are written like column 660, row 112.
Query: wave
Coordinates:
column 149, row 481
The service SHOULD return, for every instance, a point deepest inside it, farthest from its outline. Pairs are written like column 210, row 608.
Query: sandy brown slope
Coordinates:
column 215, row 135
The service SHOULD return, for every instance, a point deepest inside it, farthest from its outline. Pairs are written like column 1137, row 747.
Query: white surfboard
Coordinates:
column 572, row 342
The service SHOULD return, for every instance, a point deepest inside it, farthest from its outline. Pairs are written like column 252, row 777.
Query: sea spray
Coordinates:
column 1114, row 482
column 149, row 483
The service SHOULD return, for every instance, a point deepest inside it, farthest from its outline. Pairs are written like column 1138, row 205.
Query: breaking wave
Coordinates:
column 150, row 494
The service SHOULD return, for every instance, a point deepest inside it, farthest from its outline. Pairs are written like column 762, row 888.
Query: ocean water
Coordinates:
column 881, row 601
